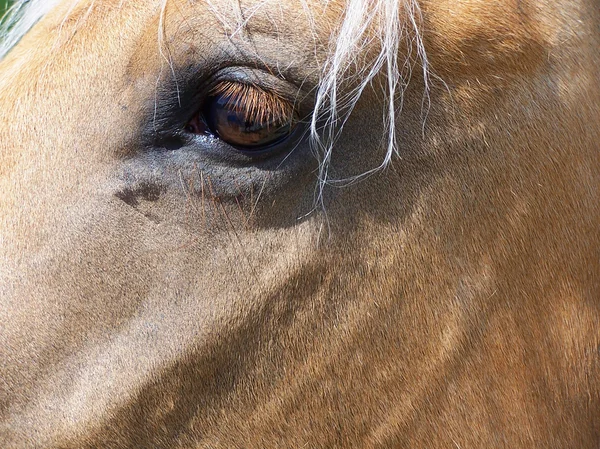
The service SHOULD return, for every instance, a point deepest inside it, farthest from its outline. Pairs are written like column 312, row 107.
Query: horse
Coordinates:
column 307, row 224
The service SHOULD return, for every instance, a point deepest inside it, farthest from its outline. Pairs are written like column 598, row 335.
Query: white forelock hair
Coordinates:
column 367, row 24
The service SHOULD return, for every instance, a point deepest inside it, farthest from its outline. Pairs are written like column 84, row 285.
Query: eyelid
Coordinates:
column 179, row 103
column 296, row 95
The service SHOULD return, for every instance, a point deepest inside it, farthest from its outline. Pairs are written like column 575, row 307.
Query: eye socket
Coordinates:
column 245, row 116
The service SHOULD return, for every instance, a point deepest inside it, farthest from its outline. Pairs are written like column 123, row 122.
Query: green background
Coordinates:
column 4, row 4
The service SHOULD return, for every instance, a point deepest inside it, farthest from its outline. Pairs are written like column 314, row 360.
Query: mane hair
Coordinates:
column 369, row 27
column 367, row 24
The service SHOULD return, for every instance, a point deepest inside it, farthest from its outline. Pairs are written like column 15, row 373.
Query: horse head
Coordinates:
column 316, row 223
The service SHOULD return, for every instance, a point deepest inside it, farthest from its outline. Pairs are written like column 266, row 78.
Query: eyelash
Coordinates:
column 244, row 115
column 260, row 105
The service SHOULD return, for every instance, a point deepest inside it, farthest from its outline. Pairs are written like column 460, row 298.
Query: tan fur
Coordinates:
column 451, row 300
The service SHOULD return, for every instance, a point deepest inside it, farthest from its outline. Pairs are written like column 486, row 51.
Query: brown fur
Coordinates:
column 450, row 301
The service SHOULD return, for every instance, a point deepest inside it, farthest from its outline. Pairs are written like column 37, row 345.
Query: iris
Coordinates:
column 245, row 116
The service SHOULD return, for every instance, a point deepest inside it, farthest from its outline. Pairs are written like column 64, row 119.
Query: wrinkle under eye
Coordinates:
column 245, row 116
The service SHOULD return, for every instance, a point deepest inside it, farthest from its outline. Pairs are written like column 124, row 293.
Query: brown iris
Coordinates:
column 246, row 116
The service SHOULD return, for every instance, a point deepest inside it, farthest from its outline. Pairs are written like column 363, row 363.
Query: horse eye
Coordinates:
column 246, row 117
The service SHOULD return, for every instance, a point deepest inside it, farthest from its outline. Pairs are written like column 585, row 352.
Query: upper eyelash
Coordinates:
column 258, row 105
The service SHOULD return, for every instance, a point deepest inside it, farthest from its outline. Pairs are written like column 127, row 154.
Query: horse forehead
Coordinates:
column 460, row 26
column 220, row 16
column 182, row 30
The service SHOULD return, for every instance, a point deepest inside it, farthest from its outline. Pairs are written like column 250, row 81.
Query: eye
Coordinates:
column 247, row 117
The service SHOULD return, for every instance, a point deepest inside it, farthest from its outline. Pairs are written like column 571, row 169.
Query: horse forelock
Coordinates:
column 389, row 24
column 365, row 44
